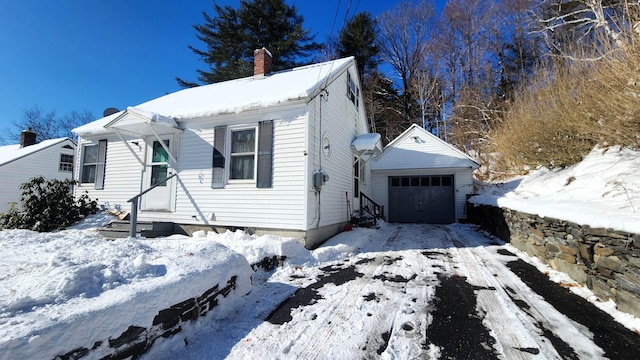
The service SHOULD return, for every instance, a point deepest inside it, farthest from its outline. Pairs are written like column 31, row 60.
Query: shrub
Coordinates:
column 567, row 110
column 47, row 205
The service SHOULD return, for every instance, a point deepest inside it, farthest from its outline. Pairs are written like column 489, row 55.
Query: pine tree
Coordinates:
column 359, row 39
column 233, row 35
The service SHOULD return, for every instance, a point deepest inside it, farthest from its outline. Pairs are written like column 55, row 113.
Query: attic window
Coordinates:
column 353, row 92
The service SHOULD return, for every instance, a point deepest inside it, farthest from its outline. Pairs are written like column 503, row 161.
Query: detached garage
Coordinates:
column 422, row 179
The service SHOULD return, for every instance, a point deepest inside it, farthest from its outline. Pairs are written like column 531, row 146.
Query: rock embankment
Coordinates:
column 605, row 260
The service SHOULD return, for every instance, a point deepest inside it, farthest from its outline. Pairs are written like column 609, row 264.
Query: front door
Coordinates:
column 158, row 167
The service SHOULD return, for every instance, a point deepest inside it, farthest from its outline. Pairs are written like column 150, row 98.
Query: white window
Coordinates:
column 89, row 162
column 242, row 155
column 93, row 162
column 66, row 163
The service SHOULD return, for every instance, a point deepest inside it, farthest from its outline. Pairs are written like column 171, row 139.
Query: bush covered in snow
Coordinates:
column 47, row 205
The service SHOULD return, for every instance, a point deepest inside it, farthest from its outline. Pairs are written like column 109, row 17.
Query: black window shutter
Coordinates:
column 217, row 174
column 265, row 154
column 100, row 164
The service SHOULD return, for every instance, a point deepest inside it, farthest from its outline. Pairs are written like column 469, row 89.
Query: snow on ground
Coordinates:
column 50, row 277
column 602, row 191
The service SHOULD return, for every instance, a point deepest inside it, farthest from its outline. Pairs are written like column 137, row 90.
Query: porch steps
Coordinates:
column 365, row 220
column 118, row 229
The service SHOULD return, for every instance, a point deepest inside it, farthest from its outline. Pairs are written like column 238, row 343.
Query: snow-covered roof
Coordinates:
column 141, row 122
column 367, row 144
column 235, row 96
column 97, row 127
column 9, row 153
column 416, row 148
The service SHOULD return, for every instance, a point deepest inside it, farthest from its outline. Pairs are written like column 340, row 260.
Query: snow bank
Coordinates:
column 602, row 191
column 255, row 248
column 66, row 290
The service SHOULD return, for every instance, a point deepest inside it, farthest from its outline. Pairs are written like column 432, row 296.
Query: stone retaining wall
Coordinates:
column 137, row 340
column 605, row 260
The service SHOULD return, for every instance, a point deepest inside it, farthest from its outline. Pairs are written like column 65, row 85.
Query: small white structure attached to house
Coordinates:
column 421, row 179
column 19, row 163
column 271, row 152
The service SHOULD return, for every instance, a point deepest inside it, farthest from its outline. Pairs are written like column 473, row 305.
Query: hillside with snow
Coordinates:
column 602, row 191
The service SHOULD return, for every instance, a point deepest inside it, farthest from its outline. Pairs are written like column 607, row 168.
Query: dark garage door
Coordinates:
column 422, row 199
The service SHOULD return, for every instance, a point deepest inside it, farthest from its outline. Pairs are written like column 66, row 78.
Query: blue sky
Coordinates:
column 89, row 55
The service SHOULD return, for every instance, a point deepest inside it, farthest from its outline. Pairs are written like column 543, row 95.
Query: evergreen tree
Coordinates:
column 359, row 39
column 232, row 36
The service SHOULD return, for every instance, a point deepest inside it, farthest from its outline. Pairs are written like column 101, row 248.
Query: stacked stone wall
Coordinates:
column 137, row 340
column 605, row 260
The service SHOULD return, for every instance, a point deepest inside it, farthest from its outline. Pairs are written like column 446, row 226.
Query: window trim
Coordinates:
column 83, row 163
column 263, row 171
column 353, row 91
column 230, row 154
column 63, row 164
column 101, row 156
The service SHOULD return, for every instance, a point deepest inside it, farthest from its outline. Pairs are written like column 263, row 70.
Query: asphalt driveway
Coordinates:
column 424, row 292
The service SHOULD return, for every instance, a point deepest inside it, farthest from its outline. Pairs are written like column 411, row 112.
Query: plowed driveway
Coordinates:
column 421, row 292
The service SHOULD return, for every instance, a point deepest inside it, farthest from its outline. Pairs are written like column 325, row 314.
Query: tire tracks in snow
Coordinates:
column 363, row 315
column 523, row 323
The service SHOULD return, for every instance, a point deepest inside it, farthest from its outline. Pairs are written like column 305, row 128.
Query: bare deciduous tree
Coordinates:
column 46, row 125
column 405, row 32
column 594, row 24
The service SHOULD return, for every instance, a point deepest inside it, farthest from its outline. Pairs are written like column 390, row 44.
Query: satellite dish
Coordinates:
column 109, row 111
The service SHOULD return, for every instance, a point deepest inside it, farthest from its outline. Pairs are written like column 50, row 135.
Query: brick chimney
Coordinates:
column 27, row 137
column 262, row 63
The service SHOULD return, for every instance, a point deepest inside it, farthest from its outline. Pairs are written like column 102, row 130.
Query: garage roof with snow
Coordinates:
column 417, row 148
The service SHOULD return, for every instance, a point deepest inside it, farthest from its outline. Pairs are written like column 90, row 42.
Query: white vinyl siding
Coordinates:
column 343, row 123
column 242, row 204
column 122, row 173
column 44, row 162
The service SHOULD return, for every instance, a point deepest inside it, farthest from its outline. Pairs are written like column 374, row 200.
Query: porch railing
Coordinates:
column 371, row 207
column 134, row 204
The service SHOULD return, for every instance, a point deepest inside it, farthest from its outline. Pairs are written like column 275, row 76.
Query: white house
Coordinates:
column 419, row 178
column 52, row 159
column 271, row 152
